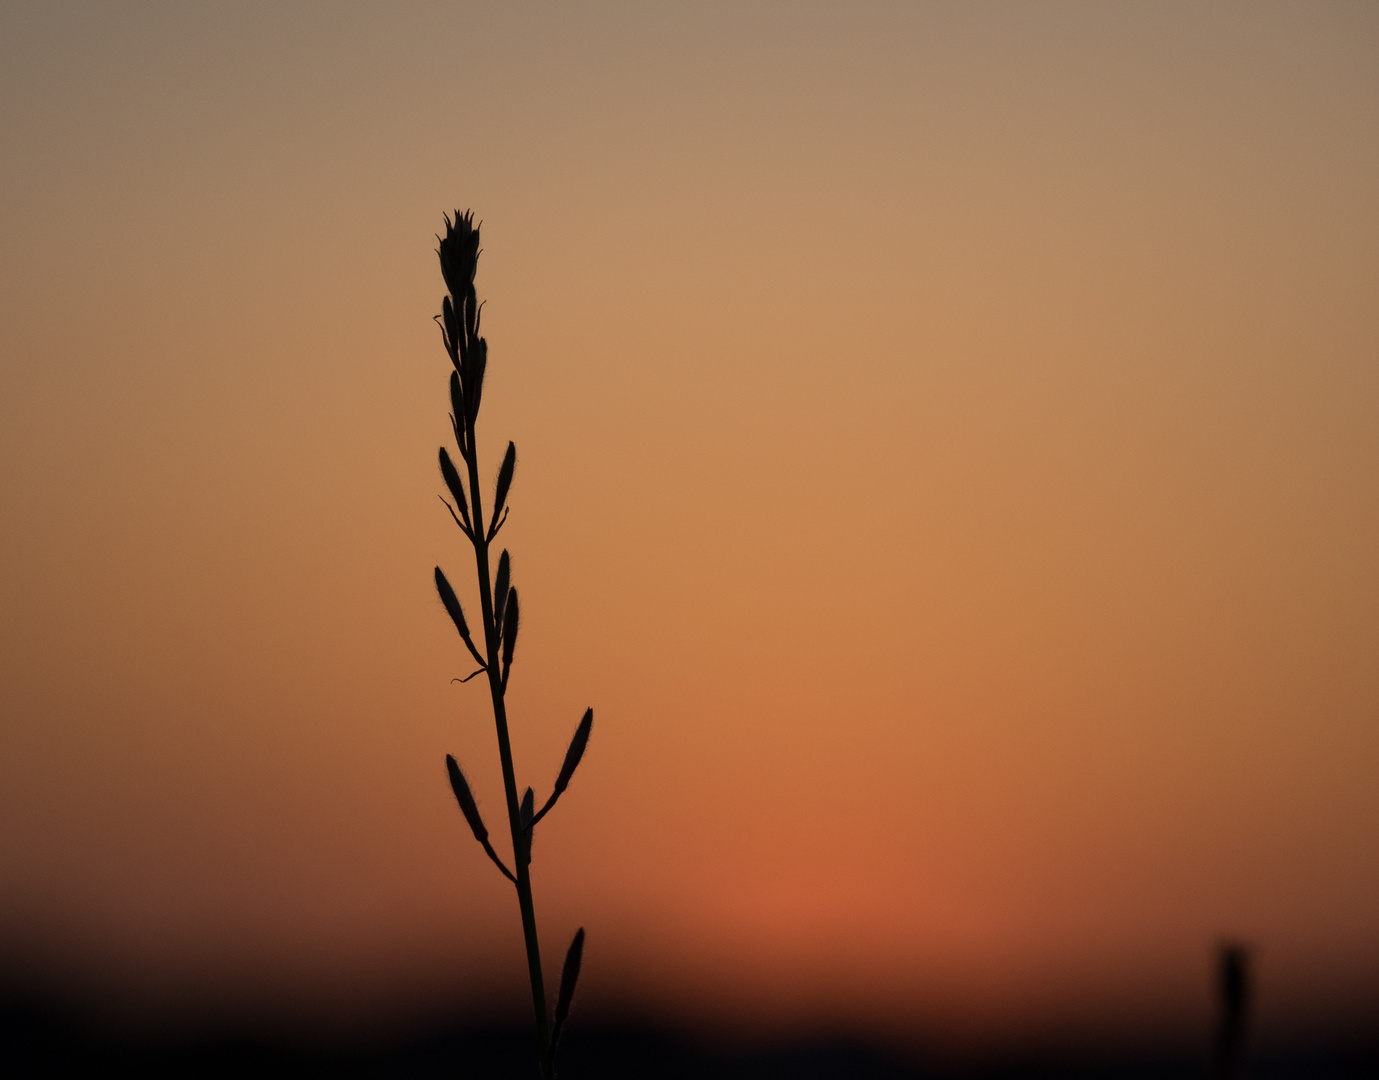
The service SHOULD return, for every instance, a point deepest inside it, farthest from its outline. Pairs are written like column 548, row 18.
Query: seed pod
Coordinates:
column 569, row 975
column 525, row 812
column 450, row 330
column 471, row 313
column 575, row 752
column 500, row 591
column 452, row 604
column 510, row 621
column 459, row 253
column 456, row 396
column 465, row 798
column 474, row 377
column 453, row 482
column 500, row 491
column 460, row 786
column 457, row 413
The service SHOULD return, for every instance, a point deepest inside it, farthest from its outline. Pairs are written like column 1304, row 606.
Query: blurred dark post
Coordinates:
column 1233, row 993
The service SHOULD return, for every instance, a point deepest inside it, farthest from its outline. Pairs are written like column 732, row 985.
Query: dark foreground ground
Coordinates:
column 42, row 1042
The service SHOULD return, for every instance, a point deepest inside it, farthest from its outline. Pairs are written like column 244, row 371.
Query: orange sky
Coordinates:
column 949, row 465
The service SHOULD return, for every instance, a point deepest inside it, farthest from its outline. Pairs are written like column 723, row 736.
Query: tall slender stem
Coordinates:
column 500, row 719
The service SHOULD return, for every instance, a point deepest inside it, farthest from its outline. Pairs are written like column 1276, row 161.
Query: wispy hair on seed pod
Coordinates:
column 452, row 603
column 576, row 751
column 460, row 786
column 569, row 976
column 453, row 483
column 505, row 471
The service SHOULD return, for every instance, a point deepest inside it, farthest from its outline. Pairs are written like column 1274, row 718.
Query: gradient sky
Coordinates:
column 949, row 465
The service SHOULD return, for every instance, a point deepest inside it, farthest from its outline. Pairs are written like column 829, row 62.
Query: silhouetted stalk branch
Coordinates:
column 500, row 613
column 463, row 527
column 500, row 718
column 568, row 766
column 460, row 786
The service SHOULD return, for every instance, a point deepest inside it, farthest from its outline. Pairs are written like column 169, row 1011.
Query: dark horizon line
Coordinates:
column 40, row 1037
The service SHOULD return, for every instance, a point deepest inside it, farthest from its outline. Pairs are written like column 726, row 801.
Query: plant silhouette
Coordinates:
column 500, row 614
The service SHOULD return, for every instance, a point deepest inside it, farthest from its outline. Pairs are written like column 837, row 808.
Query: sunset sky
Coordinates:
column 948, row 464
